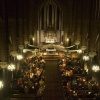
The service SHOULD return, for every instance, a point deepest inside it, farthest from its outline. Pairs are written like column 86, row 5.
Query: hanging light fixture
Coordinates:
column 96, row 68
column 85, row 58
column 19, row 57
column 11, row 67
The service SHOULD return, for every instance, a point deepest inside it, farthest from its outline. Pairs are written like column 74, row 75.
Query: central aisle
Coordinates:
column 52, row 81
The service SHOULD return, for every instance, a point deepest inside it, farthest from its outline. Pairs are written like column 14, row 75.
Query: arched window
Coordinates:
column 50, row 16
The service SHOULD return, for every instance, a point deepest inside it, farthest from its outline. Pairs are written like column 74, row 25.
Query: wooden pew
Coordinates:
column 24, row 97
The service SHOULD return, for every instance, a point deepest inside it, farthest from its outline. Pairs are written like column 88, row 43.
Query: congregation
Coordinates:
column 75, row 81
column 29, row 79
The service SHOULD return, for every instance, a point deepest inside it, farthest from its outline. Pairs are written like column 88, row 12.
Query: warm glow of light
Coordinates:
column 11, row 67
column 44, row 53
column 43, row 60
column 51, row 49
column 63, row 65
column 85, row 58
column 84, row 80
column 63, row 59
column 19, row 57
column 77, row 42
column 24, row 51
column 96, row 68
column 1, row 84
column 33, row 38
column 50, row 40
column 67, row 39
column 79, row 51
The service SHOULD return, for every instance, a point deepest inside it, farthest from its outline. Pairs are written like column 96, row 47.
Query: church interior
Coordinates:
column 49, row 49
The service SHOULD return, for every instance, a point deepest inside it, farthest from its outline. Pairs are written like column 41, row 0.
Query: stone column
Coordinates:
column 13, row 54
column 3, row 42
column 21, row 32
column 45, row 19
column 93, row 35
column 40, row 15
column 13, row 34
column 77, row 43
column 91, row 55
column 21, row 47
column 83, row 48
column 4, row 66
column 55, row 17
column 60, row 24
column 85, row 64
column 84, row 38
column 26, row 42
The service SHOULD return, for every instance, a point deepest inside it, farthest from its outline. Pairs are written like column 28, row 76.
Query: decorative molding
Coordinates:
column 77, row 42
column 21, row 47
column 13, row 53
column 83, row 47
column 3, row 64
column 92, row 54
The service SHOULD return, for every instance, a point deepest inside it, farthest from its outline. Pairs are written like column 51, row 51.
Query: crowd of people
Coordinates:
column 29, row 78
column 75, row 81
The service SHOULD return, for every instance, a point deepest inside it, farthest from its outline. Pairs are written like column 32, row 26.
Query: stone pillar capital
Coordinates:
column 13, row 53
column 77, row 42
column 83, row 47
column 3, row 64
column 21, row 47
column 92, row 54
